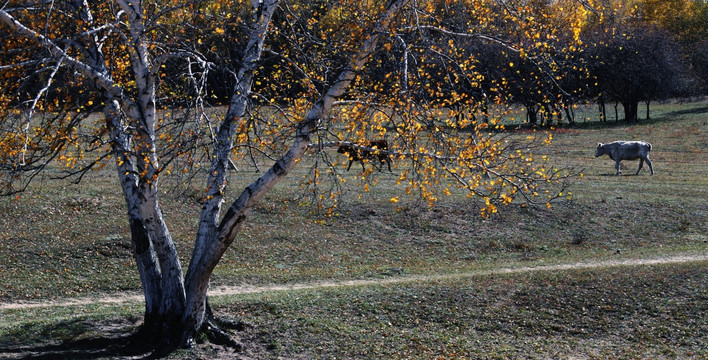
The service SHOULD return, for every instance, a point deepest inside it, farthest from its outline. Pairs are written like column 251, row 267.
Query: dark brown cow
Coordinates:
column 379, row 150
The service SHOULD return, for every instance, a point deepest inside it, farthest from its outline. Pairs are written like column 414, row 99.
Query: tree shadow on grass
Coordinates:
column 76, row 339
column 620, row 175
column 698, row 110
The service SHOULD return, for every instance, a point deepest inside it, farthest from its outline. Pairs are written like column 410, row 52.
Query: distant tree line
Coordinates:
column 628, row 55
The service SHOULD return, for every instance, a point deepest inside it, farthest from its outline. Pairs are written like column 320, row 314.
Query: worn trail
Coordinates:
column 124, row 298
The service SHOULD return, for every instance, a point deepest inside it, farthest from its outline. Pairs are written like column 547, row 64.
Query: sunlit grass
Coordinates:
column 74, row 239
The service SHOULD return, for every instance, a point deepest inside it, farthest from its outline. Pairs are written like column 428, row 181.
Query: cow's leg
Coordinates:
column 617, row 166
column 350, row 164
column 641, row 163
column 649, row 163
column 384, row 160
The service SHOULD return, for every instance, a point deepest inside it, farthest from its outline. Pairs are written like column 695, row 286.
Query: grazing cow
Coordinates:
column 374, row 149
column 626, row 150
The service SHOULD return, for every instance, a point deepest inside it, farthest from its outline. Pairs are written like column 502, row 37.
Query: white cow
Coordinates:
column 626, row 150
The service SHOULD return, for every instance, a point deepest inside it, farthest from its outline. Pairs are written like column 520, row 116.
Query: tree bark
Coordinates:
column 532, row 114
column 175, row 305
column 160, row 272
column 212, row 241
column 144, row 209
column 569, row 112
column 143, row 251
column 630, row 110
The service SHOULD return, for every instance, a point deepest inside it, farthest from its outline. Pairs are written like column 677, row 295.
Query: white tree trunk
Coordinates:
column 212, row 240
column 197, row 279
column 175, row 305
column 144, row 254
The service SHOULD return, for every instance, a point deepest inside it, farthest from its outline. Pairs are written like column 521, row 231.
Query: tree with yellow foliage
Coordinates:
column 304, row 79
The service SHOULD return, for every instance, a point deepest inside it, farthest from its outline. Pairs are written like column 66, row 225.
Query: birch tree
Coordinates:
column 79, row 57
column 175, row 303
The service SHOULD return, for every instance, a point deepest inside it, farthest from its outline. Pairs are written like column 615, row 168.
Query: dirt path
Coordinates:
column 246, row 289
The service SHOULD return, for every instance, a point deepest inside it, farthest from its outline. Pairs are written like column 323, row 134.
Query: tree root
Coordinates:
column 169, row 338
column 225, row 323
column 216, row 335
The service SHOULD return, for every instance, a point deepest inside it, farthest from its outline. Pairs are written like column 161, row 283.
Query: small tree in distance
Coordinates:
column 146, row 67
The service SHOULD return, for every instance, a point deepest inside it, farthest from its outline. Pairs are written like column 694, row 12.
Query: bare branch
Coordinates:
column 22, row 64
column 179, row 54
column 100, row 79
column 40, row 93
column 489, row 38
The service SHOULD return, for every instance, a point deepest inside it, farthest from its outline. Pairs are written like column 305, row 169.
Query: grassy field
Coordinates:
column 61, row 241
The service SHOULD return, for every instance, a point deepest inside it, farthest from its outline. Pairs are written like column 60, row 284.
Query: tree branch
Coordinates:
column 101, row 80
column 33, row 106
column 490, row 38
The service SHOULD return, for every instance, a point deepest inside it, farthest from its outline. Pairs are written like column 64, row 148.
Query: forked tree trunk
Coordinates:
column 147, row 222
column 175, row 305
column 153, row 248
column 213, row 238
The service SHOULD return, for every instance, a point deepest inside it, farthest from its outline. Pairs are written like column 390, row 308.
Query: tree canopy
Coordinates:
column 193, row 90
